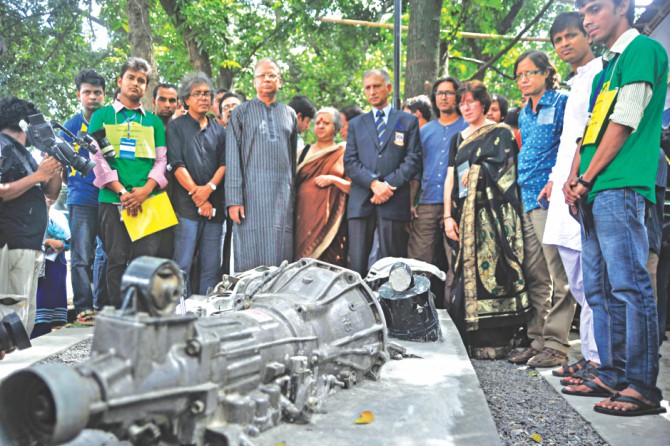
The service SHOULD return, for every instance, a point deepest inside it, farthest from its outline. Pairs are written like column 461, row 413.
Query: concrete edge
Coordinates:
column 43, row 347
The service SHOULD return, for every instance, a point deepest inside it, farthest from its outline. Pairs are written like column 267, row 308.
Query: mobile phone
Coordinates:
column 543, row 202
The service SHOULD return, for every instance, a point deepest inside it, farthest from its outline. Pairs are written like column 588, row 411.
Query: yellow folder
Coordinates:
column 157, row 214
column 600, row 113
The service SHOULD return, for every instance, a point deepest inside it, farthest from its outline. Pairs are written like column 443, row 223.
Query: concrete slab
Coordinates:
column 43, row 347
column 432, row 400
column 620, row 431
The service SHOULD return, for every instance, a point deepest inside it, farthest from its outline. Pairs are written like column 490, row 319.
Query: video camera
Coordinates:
column 41, row 136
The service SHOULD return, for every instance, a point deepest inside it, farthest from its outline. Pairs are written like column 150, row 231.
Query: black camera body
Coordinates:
column 41, row 136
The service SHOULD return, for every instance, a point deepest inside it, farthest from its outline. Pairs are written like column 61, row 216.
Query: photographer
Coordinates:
column 23, row 211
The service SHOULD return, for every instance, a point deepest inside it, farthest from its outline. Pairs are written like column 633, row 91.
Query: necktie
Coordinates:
column 381, row 126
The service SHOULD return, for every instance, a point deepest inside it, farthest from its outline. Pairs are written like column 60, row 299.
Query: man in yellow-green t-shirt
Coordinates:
column 135, row 172
column 618, row 162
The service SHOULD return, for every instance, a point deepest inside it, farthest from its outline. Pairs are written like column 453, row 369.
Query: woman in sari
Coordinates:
column 482, row 212
column 322, row 194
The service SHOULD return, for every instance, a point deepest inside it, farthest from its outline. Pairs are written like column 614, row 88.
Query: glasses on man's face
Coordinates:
column 229, row 107
column 527, row 75
column 446, row 94
column 269, row 76
column 202, row 94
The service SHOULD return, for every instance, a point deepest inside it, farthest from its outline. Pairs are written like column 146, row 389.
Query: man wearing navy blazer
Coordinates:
column 383, row 153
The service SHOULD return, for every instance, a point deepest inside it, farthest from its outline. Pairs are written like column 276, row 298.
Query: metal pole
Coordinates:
column 397, row 32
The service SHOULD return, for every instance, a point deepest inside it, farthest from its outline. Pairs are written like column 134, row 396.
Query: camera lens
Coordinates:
column 106, row 148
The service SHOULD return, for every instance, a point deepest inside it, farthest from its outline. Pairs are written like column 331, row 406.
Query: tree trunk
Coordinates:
column 423, row 43
column 226, row 78
column 141, row 42
column 198, row 57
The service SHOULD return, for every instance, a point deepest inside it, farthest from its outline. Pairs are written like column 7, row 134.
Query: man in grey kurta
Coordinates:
column 260, row 153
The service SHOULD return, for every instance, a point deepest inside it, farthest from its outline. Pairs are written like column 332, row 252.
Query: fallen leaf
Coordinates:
column 281, row 443
column 533, row 373
column 536, row 438
column 367, row 417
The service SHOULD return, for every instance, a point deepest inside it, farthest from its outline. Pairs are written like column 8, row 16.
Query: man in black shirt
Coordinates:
column 196, row 155
column 23, row 211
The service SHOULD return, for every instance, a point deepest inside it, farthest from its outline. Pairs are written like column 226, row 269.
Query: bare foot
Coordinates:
column 586, row 389
column 624, row 407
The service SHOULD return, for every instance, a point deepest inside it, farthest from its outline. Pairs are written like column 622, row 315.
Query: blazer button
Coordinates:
column 379, row 156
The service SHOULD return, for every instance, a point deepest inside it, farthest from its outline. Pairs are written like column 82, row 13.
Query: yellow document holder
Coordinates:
column 157, row 214
column 600, row 113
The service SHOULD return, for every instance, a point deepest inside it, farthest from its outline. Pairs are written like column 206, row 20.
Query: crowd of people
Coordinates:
column 504, row 199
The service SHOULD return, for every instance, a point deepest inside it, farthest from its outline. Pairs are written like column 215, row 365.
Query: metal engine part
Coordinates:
column 310, row 328
column 13, row 334
column 408, row 305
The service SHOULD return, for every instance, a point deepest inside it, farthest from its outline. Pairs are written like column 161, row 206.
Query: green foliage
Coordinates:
column 49, row 41
column 46, row 45
column 501, row 18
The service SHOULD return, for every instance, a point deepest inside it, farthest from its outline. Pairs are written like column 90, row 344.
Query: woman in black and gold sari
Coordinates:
column 482, row 213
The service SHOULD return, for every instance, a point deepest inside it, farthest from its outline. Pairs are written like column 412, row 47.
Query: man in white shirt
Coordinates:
column 573, row 46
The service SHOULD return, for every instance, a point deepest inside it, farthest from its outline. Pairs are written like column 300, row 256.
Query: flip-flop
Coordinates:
column 642, row 407
column 588, row 373
column 565, row 370
column 597, row 390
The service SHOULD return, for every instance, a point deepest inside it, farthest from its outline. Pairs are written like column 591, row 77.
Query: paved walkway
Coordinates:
column 622, row 431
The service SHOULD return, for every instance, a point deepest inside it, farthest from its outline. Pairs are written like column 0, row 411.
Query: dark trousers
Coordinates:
column 120, row 250
column 392, row 240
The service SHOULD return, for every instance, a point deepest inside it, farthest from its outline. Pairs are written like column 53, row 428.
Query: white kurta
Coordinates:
column 561, row 229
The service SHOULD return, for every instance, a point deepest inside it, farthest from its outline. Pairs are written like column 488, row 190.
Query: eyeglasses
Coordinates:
column 200, row 94
column 467, row 104
column 229, row 107
column 446, row 94
column 269, row 76
column 527, row 75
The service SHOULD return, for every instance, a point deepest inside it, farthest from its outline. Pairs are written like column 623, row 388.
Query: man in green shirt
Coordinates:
column 136, row 171
column 618, row 161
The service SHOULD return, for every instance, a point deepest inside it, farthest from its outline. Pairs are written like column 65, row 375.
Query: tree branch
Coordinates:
column 481, row 62
column 509, row 46
column 62, row 36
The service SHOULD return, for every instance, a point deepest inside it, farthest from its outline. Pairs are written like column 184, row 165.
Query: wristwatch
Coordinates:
column 583, row 182
column 212, row 185
column 122, row 191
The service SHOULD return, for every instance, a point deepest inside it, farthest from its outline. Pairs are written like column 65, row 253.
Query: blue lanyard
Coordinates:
column 601, row 82
column 128, row 119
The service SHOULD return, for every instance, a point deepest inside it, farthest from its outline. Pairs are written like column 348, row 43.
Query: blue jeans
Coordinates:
column 84, row 230
column 99, row 275
column 618, row 288
column 207, row 237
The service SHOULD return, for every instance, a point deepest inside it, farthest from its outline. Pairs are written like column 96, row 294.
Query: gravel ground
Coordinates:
column 524, row 406
column 527, row 410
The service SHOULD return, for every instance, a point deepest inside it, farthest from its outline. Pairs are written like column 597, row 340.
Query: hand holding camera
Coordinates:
column 49, row 167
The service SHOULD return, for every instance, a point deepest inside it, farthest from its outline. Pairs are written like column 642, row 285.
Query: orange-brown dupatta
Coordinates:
column 319, row 229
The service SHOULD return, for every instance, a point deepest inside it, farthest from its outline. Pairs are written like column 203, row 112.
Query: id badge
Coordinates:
column 399, row 139
column 127, row 148
column 546, row 116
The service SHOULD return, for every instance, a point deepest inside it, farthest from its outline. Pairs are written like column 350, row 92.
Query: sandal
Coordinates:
column 642, row 407
column 86, row 317
column 571, row 369
column 596, row 390
column 588, row 373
